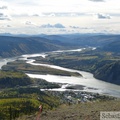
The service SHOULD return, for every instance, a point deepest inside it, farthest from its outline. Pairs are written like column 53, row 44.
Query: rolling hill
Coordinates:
column 14, row 46
column 85, row 39
column 17, row 45
column 112, row 47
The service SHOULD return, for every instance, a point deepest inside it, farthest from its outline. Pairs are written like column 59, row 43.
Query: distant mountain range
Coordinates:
column 85, row 39
column 13, row 46
column 21, row 44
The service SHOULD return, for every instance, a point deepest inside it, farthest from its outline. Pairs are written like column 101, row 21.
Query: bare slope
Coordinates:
column 82, row 111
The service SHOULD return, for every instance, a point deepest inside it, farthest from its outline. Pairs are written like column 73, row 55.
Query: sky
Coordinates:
column 59, row 16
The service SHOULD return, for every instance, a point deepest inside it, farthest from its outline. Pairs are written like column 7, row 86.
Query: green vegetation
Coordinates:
column 24, row 100
column 21, row 95
column 111, row 72
column 81, row 111
column 104, row 65
column 12, row 79
column 14, row 107
column 17, row 98
column 14, row 46
column 27, row 68
column 43, row 84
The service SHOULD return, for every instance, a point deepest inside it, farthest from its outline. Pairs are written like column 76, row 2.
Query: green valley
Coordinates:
column 20, row 95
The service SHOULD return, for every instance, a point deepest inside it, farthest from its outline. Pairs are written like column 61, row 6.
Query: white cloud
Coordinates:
column 76, row 14
column 4, row 17
column 8, row 26
column 97, row 0
column 103, row 16
column 51, row 15
column 29, row 23
column 46, row 26
column 4, row 11
column 58, row 25
column 39, row 15
column 63, row 14
column 3, row 7
column 75, row 27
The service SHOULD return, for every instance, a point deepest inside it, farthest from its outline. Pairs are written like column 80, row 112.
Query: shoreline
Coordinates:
column 87, row 80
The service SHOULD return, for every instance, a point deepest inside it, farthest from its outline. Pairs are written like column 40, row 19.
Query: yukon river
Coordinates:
column 91, row 84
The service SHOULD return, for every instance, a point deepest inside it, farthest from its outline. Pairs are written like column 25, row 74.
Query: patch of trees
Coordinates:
column 109, row 72
column 11, row 79
column 104, row 65
column 15, row 102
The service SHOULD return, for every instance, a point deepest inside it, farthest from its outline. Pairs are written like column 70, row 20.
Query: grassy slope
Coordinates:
column 15, row 46
column 24, row 101
column 82, row 111
column 12, row 79
column 27, row 68
column 104, row 65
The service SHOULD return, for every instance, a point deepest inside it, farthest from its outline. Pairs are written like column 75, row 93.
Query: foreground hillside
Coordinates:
column 82, row 111
column 19, row 96
column 21, row 101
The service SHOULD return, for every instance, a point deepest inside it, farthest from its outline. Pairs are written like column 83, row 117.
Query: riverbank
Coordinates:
column 74, row 78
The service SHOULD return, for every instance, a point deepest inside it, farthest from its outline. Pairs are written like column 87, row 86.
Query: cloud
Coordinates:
column 4, row 11
column 8, row 26
column 46, row 26
column 103, row 16
column 36, row 15
column 52, row 15
column 29, row 23
column 58, row 25
column 97, row 0
column 62, row 14
column 62, row 30
column 75, row 27
column 4, row 17
column 3, row 7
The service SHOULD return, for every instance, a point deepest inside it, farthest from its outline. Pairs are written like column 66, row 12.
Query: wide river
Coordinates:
column 91, row 84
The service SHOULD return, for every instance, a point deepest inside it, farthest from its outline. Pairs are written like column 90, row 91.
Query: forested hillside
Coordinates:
column 18, row 96
column 102, row 62
column 109, row 72
column 104, row 65
column 85, row 39
column 13, row 46
column 113, row 47
column 21, row 95
column 9, row 79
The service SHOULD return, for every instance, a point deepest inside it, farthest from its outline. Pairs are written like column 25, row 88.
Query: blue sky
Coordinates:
column 59, row 16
